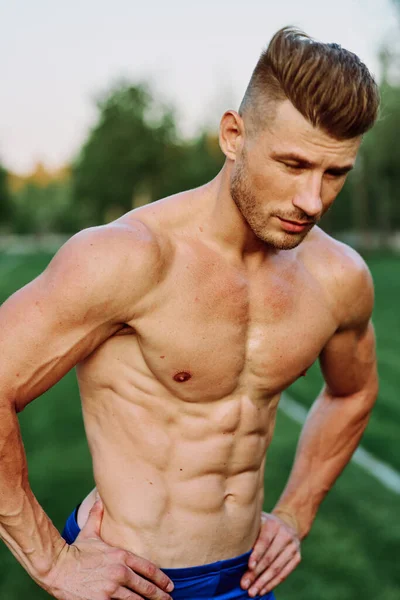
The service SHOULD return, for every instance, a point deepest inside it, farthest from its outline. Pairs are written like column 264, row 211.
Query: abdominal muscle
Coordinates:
column 181, row 482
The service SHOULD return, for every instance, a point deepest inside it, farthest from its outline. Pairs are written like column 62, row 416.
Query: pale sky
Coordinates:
column 56, row 56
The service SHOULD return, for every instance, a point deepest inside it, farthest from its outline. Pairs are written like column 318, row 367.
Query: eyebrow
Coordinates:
column 307, row 164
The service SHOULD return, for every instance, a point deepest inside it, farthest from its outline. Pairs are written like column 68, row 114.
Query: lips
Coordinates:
column 294, row 226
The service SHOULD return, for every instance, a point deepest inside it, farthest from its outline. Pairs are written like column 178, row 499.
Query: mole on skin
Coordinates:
column 182, row 376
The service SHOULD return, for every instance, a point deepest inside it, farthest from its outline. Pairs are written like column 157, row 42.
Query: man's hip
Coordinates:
column 215, row 581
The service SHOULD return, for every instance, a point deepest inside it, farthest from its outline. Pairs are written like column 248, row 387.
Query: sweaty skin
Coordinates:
column 186, row 326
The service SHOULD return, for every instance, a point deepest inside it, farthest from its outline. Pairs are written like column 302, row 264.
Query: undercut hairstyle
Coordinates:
column 327, row 84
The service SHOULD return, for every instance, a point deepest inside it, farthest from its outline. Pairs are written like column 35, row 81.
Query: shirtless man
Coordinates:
column 186, row 319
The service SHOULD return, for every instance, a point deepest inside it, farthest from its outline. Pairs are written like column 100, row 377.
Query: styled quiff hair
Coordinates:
column 327, row 84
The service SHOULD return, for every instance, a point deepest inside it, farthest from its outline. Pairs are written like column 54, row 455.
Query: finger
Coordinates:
column 273, row 583
column 93, row 524
column 288, row 556
column 264, row 540
column 280, row 541
column 278, row 545
column 149, row 571
column 143, row 587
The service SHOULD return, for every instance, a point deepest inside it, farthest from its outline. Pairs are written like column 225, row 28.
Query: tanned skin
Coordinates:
column 187, row 319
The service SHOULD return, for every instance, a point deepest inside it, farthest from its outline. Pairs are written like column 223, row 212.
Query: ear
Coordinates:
column 231, row 134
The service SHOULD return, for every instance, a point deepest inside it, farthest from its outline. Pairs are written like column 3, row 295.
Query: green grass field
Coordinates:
column 353, row 551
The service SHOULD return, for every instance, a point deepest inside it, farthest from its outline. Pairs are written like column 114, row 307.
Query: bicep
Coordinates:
column 348, row 361
column 45, row 329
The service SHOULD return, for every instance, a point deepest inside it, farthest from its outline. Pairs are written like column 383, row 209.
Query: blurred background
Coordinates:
column 106, row 106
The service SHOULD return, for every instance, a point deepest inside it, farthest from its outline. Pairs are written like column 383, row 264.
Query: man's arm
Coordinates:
column 332, row 432
column 339, row 416
column 90, row 289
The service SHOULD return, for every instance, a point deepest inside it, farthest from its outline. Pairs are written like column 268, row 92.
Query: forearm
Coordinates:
column 24, row 527
column 332, row 431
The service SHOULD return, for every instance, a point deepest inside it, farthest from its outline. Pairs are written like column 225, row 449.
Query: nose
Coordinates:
column 308, row 199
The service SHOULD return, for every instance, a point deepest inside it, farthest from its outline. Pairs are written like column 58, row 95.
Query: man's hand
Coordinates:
column 90, row 569
column 275, row 555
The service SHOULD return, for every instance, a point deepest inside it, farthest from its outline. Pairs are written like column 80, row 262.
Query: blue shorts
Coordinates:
column 219, row 580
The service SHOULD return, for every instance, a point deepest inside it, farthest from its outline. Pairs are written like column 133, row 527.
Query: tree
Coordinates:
column 123, row 154
column 188, row 164
column 133, row 155
column 5, row 198
column 43, row 208
column 381, row 156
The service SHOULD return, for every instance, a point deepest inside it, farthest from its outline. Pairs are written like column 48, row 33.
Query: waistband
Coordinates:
column 210, row 568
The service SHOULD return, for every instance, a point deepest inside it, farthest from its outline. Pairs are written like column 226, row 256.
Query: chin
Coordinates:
column 280, row 241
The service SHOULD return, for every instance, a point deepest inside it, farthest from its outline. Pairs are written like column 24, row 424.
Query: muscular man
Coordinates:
column 186, row 320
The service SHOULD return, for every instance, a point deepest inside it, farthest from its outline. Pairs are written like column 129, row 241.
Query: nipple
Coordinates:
column 182, row 376
column 304, row 373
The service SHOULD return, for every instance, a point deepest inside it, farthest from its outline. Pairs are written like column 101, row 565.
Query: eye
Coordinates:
column 335, row 174
column 293, row 167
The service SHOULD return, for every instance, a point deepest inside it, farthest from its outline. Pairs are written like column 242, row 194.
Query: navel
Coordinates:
column 182, row 376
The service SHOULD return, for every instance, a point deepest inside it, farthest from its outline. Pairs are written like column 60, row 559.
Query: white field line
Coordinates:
column 383, row 472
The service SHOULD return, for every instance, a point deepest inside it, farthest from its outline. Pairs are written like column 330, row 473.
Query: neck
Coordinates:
column 224, row 222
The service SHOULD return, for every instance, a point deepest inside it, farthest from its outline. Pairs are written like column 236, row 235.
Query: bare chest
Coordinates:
column 211, row 331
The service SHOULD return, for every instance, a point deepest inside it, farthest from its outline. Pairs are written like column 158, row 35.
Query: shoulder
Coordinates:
column 344, row 276
column 124, row 258
column 115, row 245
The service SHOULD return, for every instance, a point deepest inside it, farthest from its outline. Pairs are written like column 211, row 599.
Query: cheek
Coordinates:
column 259, row 181
column 273, row 184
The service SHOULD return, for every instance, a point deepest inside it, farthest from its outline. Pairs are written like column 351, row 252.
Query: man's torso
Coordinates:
column 180, row 404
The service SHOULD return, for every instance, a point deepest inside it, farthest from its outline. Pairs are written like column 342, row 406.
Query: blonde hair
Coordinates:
column 327, row 84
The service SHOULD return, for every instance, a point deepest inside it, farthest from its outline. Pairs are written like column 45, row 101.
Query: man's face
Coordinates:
column 287, row 176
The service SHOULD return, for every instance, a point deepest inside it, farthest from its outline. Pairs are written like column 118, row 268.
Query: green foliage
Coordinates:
column 382, row 143
column 132, row 151
column 134, row 155
column 39, row 209
column 6, row 211
column 380, row 160
column 370, row 199
column 124, row 151
column 190, row 165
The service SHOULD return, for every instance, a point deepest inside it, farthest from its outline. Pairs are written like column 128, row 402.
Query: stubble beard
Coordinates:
column 249, row 208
